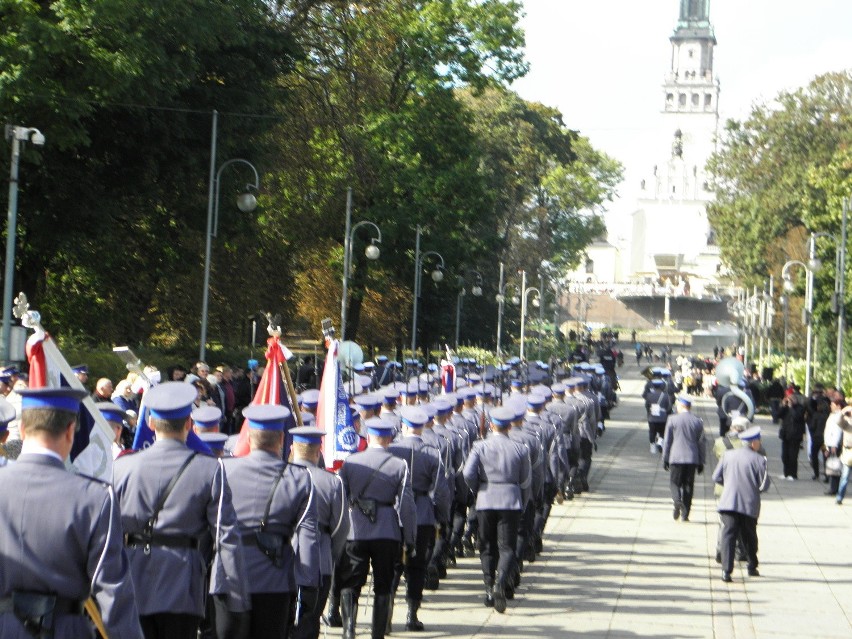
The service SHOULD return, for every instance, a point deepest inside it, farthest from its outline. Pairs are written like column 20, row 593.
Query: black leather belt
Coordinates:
column 61, row 606
column 164, row 541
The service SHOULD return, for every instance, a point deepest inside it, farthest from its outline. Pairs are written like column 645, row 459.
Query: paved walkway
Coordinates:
column 616, row 565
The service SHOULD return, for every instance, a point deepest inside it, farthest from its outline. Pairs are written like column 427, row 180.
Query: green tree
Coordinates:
column 761, row 173
column 113, row 207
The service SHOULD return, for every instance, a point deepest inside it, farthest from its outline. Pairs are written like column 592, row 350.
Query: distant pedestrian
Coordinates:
column 791, row 433
column 743, row 474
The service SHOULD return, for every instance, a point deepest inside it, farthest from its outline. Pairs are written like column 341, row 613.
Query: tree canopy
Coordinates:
column 406, row 102
column 780, row 175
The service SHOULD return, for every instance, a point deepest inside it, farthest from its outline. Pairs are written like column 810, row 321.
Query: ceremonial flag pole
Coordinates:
column 333, row 413
column 275, row 387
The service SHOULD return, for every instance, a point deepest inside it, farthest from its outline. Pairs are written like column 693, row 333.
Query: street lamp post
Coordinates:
column 17, row 134
column 812, row 266
column 840, row 286
column 785, row 305
column 476, row 289
column 372, row 253
column 524, row 295
column 437, row 276
column 501, row 300
column 246, row 202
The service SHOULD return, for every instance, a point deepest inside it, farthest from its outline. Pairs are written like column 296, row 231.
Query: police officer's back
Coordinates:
column 60, row 533
column 164, row 546
column 277, row 517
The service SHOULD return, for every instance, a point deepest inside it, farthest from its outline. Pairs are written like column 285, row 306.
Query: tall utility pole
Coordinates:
column 841, row 294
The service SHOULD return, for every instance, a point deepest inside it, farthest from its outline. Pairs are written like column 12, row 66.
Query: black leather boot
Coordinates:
column 412, row 623
column 499, row 594
column 381, row 606
column 349, row 613
column 332, row 618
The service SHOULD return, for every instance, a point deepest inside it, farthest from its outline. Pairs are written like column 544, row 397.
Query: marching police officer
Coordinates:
column 332, row 520
column 683, row 455
column 274, row 505
column 743, row 474
column 172, row 502
column 498, row 471
column 431, row 496
column 383, row 517
column 72, row 529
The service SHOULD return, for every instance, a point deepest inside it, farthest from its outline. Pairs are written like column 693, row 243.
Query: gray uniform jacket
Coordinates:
column 464, row 423
column 426, row 477
column 548, row 434
column 61, row 533
column 498, row 472
column 293, row 514
column 376, row 474
column 332, row 515
column 683, row 442
column 743, row 474
column 458, row 455
column 588, row 425
column 173, row 579
column 596, row 408
column 533, row 445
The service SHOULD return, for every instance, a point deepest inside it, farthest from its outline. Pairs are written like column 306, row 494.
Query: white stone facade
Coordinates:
column 671, row 237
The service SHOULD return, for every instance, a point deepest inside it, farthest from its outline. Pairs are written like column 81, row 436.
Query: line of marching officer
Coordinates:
column 263, row 536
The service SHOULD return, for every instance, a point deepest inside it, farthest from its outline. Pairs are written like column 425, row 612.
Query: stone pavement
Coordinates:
column 615, row 563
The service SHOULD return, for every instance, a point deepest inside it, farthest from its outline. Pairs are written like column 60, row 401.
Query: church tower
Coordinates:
column 672, row 239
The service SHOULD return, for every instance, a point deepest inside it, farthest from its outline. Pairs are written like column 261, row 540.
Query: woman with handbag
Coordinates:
column 833, row 436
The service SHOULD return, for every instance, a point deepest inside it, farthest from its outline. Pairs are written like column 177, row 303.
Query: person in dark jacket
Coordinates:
column 658, row 405
column 791, row 433
column 817, row 416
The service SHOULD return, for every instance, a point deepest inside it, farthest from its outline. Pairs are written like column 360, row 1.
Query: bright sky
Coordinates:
column 602, row 62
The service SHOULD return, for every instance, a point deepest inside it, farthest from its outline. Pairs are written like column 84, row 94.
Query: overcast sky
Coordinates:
column 602, row 62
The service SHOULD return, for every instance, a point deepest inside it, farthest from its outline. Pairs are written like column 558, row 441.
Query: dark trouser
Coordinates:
column 383, row 554
column 167, row 625
column 526, row 533
column 737, row 525
column 498, row 530
column 441, row 547
column 790, row 457
column 269, row 617
column 459, row 519
column 585, row 463
column 815, row 454
column 415, row 568
column 542, row 511
column 309, row 624
column 681, row 481
column 573, row 464
column 724, row 426
column 655, row 429
column 472, row 523
column 833, row 484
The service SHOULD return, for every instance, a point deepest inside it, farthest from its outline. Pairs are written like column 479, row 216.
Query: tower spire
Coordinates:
column 694, row 13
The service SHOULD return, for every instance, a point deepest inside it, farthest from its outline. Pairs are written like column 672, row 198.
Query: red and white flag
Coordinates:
column 270, row 390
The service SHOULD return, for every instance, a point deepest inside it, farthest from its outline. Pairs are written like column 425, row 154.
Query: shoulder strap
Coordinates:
column 149, row 525
column 728, row 444
column 266, row 510
column 373, row 476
